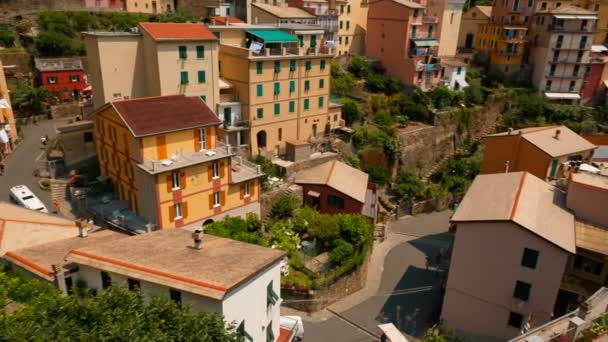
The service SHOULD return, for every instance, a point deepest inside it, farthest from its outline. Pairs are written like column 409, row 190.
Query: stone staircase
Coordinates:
column 486, row 130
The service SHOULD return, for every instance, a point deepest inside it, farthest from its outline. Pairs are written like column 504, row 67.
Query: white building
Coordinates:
column 455, row 73
column 238, row 280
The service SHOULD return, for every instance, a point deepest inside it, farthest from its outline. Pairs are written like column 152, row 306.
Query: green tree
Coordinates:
column 179, row 16
column 474, row 94
column 493, row 77
column 83, row 21
column 359, row 66
column 409, row 185
column 378, row 174
column 350, row 111
column 29, row 100
column 116, row 314
column 53, row 44
column 342, row 83
column 236, row 228
column 341, row 252
column 393, row 148
column 55, row 21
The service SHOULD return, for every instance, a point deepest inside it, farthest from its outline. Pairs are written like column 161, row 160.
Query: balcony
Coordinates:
column 579, row 74
column 428, row 67
column 428, row 19
column 432, row 51
column 181, row 160
column 508, row 53
column 514, row 38
column 244, row 170
column 278, row 52
column 573, row 29
column 567, row 61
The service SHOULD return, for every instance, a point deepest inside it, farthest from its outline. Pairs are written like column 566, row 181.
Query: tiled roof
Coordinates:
column 284, row 11
column 339, row 176
column 177, row 31
column 57, row 64
column 159, row 114
column 524, row 199
column 569, row 9
column 217, row 20
column 166, row 257
column 406, row 3
column 567, row 142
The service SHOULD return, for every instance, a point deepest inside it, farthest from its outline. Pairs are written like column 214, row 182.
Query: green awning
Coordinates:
column 426, row 42
column 274, row 36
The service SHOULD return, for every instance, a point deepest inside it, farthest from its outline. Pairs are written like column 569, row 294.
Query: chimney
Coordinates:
column 557, row 132
column 509, row 130
column 82, row 225
column 507, row 163
column 197, row 236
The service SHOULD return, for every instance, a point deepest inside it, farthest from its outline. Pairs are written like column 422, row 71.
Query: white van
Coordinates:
column 23, row 196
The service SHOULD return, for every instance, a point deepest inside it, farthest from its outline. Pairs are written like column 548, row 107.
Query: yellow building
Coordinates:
column 601, row 9
column 471, row 19
column 352, row 26
column 165, row 160
column 282, row 83
column 150, row 6
column 503, row 44
column 7, row 118
column 160, row 59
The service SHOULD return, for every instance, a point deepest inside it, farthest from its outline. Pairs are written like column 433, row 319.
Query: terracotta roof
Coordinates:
column 591, row 237
column 159, row 114
column 213, row 271
column 339, row 176
column 406, row 3
column 177, row 31
column 22, row 228
column 455, row 62
column 524, row 199
column 39, row 259
column 284, row 11
column 569, row 9
column 485, row 10
column 593, row 180
column 217, row 20
column 544, row 138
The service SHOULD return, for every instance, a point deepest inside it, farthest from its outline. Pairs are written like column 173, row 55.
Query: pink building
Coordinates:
column 515, row 12
column 404, row 40
column 513, row 238
column 104, row 4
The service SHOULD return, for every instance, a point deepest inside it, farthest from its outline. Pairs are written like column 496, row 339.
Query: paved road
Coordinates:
column 19, row 166
column 409, row 294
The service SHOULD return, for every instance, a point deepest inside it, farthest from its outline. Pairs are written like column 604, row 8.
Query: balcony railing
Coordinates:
column 566, row 75
column 429, row 19
column 179, row 160
column 428, row 67
column 508, row 53
column 243, row 170
column 423, row 52
column 585, row 29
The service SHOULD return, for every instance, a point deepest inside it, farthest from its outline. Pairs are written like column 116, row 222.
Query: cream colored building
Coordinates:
column 262, row 13
column 7, row 118
column 281, row 82
column 446, row 15
column 150, row 6
column 469, row 24
column 161, row 59
column 352, row 26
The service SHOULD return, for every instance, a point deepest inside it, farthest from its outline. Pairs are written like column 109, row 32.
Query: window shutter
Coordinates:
column 242, row 191
column 182, row 179
column 210, row 172
column 222, row 169
column 223, row 198
column 171, row 213
column 184, row 210
column 197, row 140
column 209, row 133
column 211, row 200
column 169, row 184
column 252, row 188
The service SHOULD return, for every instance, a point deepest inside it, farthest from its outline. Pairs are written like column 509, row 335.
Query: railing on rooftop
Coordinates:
column 155, row 165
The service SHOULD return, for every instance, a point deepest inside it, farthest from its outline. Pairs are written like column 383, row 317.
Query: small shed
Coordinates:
column 297, row 150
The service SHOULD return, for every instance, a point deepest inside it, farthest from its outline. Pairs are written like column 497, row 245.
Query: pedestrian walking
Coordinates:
column 1, row 167
column 43, row 141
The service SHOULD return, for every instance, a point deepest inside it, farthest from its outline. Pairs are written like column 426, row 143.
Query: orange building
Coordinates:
column 542, row 151
column 166, row 161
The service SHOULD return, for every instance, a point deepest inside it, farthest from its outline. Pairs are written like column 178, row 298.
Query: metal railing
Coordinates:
column 585, row 29
column 154, row 165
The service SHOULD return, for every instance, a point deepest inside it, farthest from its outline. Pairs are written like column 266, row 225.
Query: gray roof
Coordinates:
column 57, row 64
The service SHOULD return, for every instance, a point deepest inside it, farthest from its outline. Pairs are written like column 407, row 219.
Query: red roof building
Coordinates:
column 218, row 20
column 62, row 77
column 177, row 31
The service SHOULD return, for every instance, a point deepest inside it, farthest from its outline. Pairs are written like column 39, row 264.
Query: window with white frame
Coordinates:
column 216, row 170
column 175, row 180
column 202, row 136
column 178, row 211
column 74, row 78
column 217, row 200
column 52, row 79
column 247, row 189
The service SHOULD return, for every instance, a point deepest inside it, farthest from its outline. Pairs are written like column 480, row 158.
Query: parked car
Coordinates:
column 23, row 196
column 295, row 324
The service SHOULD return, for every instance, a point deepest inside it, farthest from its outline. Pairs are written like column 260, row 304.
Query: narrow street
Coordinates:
column 409, row 295
column 19, row 166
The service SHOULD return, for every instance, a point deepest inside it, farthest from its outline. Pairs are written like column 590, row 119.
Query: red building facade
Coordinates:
column 63, row 78
column 592, row 83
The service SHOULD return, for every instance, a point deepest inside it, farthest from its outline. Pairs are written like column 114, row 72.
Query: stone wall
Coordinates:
column 65, row 110
column 21, row 60
column 312, row 301
column 17, row 7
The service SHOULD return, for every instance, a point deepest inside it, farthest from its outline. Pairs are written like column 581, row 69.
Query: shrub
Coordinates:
column 493, row 77
column 342, row 83
column 341, row 252
column 442, row 97
column 379, row 83
column 409, row 185
column 7, row 37
column 378, row 174
column 284, row 206
column 474, row 94
column 392, row 148
column 359, row 66
column 404, row 105
column 237, row 228
column 383, row 118
column 352, row 161
column 55, row 21
column 283, row 236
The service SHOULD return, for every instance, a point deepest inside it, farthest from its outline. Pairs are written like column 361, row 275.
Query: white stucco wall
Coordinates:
column 236, row 111
column 452, row 74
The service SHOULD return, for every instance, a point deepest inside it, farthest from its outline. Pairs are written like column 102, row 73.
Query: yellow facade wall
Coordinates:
column 6, row 114
column 162, row 146
column 149, row 6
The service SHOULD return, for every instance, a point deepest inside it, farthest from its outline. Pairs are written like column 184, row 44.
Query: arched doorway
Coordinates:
column 207, row 222
column 261, row 139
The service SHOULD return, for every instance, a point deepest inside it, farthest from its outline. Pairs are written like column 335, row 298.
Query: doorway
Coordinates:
column 261, row 139
column 468, row 43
